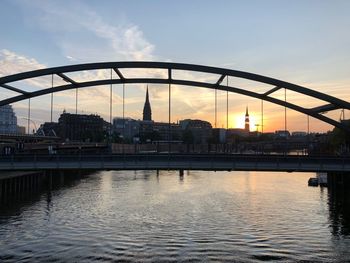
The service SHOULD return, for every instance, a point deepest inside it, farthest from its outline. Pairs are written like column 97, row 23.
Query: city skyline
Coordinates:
column 265, row 44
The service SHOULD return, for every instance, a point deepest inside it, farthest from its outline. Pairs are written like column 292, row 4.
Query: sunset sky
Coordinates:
column 303, row 42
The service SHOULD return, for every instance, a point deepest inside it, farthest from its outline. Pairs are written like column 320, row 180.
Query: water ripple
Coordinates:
column 211, row 217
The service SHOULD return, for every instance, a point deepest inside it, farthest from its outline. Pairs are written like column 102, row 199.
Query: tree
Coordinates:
column 340, row 140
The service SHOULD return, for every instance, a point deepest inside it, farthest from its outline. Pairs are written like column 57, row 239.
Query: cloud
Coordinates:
column 11, row 63
column 84, row 35
column 70, row 58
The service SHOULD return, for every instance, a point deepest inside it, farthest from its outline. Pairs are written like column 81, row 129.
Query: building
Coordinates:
column 282, row 134
column 237, row 132
column 21, row 130
column 128, row 128
column 162, row 129
column 299, row 134
column 49, row 129
column 219, row 135
column 8, row 120
column 81, row 127
column 200, row 131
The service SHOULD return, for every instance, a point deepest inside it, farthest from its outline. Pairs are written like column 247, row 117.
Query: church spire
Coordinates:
column 147, row 112
column 247, row 126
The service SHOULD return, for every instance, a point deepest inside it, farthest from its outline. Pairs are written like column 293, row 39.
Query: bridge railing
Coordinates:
column 167, row 156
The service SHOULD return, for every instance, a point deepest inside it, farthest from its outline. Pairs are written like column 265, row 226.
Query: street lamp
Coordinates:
column 257, row 127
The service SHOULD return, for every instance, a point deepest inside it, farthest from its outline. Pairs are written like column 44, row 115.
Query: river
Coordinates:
column 203, row 216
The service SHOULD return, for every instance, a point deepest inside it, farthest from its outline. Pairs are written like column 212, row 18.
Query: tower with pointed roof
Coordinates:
column 246, row 126
column 147, row 112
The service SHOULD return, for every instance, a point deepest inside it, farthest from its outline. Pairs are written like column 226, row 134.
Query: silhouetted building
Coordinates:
column 282, row 134
column 8, row 120
column 200, row 131
column 147, row 112
column 237, row 132
column 21, row 130
column 128, row 128
column 246, row 125
column 219, row 135
column 48, row 129
column 107, row 127
column 162, row 128
column 299, row 134
column 81, row 127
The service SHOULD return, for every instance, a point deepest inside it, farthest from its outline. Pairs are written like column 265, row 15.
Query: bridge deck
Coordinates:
column 215, row 162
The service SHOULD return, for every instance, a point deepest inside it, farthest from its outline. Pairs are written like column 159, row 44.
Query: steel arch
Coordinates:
column 332, row 102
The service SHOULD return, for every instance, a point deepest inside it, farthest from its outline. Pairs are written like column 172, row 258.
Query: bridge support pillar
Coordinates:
column 31, row 184
column 35, row 183
column 339, row 185
column 4, row 190
column 181, row 173
column 26, row 182
column 9, row 186
column 1, row 184
column 49, row 179
column 13, row 186
column 19, row 187
column 62, row 177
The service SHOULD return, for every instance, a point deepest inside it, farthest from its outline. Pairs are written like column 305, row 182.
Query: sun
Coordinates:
column 238, row 121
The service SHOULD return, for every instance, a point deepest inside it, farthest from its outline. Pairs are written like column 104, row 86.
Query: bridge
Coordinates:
column 338, row 168
column 177, row 161
column 27, row 137
column 164, row 72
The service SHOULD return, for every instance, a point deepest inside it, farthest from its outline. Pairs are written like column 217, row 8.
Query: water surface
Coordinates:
column 203, row 216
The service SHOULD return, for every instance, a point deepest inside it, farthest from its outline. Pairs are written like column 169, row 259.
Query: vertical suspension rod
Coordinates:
column 216, row 105
column 28, row 124
column 285, row 110
column 169, row 136
column 76, row 100
column 262, row 116
column 227, row 104
column 123, row 116
column 110, row 107
column 285, row 121
column 169, row 117
column 51, row 98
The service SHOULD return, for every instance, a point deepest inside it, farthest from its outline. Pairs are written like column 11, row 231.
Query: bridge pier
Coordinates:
column 339, row 185
column 181, row 173
column 49, row 179
column 61, row 176
column 1, row 191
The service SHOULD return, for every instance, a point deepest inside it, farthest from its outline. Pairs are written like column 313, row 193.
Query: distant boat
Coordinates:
column 313, row 181
column 319, row 180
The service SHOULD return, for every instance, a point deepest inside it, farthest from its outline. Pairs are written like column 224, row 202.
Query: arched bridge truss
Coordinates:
column 330, row 102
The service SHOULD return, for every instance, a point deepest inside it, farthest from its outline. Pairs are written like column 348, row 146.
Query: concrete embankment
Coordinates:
column 17, row 185
column 20, row 185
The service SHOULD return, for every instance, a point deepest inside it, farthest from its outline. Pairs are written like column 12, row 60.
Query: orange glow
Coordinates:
column 238, row 121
